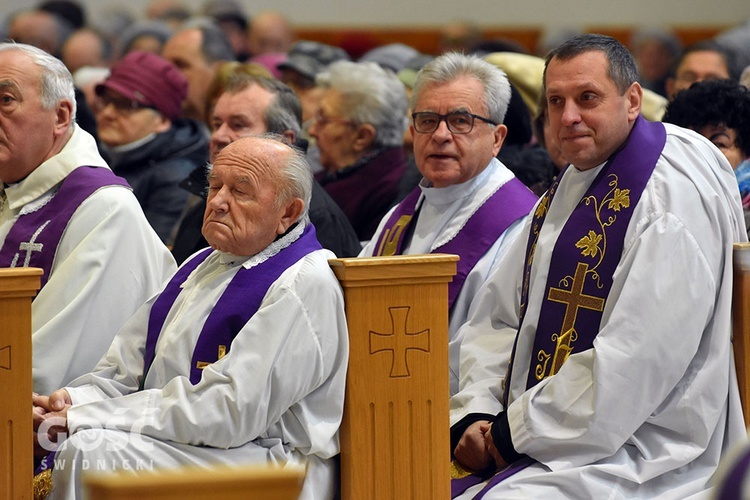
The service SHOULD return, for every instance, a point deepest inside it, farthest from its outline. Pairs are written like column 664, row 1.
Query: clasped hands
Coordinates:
column 50, row 417
column 476, row 451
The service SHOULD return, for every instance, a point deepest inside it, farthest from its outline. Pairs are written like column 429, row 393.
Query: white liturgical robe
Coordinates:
column 649, row 411
column 443, row 213
column 108, row 263
column 277, row 396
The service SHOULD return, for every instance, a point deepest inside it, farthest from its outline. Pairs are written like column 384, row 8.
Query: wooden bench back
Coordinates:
column 395, row 442
column 17, row 287
column 394, row 437
column 741, row 323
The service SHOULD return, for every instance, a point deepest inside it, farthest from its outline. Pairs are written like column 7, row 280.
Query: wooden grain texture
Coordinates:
column 17, row 287
column 394, row 437
column 741, row 323
column 252, row 482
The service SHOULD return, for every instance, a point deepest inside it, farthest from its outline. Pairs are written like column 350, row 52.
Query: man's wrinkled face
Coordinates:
column 27, row 129
column 243, row 213
column 445, row 158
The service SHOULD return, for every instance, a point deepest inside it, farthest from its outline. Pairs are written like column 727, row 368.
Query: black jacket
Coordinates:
column 155, row 170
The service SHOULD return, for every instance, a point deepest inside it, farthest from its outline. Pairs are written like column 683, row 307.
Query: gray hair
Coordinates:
column 453, row 65
column 371, row 95
column 56, row 82
column 296, row 177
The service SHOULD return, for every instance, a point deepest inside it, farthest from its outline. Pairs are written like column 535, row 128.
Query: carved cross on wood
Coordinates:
column 400, row 341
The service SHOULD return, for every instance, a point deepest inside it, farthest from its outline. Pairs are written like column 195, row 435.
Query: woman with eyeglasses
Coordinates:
column 137, row 112
column 358, row 128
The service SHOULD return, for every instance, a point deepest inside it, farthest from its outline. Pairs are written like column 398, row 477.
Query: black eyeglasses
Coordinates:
column 122, row 104
column 458, row 122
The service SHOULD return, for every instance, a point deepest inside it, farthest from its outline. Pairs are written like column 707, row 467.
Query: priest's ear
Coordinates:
column 63, row 116
column 291, row 212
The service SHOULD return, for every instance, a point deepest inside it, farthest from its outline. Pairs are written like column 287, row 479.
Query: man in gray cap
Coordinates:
column 305, row 60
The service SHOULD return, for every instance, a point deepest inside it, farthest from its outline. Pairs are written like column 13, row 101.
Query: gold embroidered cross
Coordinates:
column 573, row 299
column 222, row 352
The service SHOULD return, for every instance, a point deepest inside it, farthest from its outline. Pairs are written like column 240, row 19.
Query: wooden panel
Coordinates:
column 394, row 437
column 17, row 287
column 425, row 40
column 687, row 35
column 741, row 323
column 256, row 482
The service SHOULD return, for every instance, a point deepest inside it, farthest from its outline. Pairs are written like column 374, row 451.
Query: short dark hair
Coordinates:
column 623, row 70
column 729, row 56
column 713, row 102
column 214, row 45
column 285, row 110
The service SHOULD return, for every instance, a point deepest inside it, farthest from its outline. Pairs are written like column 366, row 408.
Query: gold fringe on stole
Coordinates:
column 458, row 472
column 42, row 484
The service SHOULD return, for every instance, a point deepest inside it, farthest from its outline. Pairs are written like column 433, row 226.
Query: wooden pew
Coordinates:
column 17, row 287
column 395, row 442
column 259, row 482
column 741, row 323
column 394, row 437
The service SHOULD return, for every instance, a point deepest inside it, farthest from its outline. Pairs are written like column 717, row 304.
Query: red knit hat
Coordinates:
column 150, row 80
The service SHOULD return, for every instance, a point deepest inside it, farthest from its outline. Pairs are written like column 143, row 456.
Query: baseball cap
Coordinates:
column 394, row 56
column 310, row 58
column 150, row 80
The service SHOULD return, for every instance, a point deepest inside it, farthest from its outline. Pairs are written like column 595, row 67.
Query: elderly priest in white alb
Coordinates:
column 64, row 211
column 468, row 203
column 240, row 359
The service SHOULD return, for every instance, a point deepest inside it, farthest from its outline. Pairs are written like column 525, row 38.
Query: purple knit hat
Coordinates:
column 150, row 80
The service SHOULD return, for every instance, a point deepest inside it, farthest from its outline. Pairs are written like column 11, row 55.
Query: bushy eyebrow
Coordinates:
column 8, row 85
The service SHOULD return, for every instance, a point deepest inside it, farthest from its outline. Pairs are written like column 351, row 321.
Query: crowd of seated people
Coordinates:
column 405, row 153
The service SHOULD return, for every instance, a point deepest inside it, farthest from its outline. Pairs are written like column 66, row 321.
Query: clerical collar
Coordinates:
column 449, row 194
column 280, row 243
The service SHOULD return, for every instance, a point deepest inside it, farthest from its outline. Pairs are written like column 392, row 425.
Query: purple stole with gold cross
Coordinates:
column 237, row 304
column 587, row 252
column 583, row 262
column 34, row 237
column 506, row 205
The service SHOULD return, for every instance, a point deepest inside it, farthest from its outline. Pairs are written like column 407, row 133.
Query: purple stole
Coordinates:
column 588, row 251
column 239, row 302
column 512, row 201
column 34, row 237
column 732, row 485
column 584, row 259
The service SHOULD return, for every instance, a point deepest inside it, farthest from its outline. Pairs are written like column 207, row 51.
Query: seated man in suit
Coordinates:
column 240, row 359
